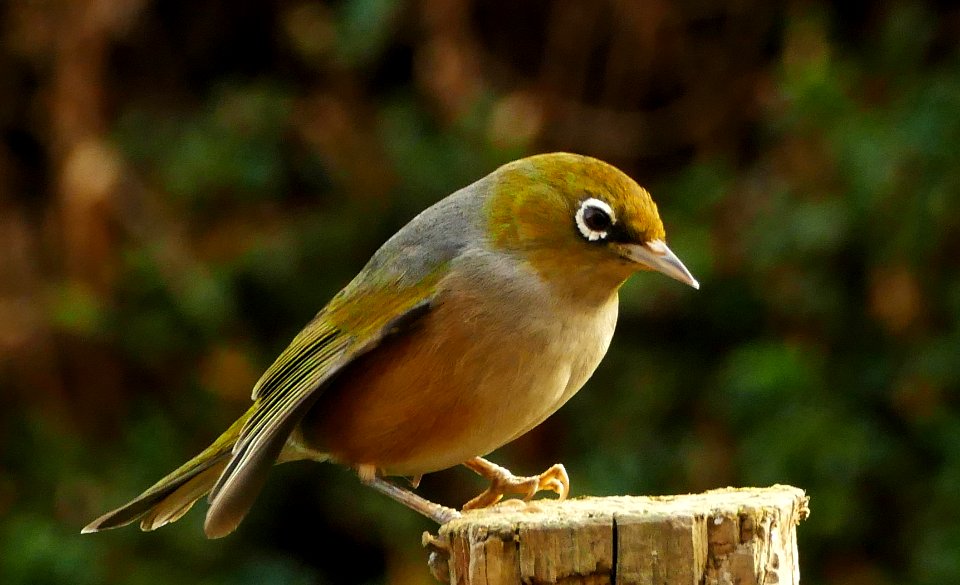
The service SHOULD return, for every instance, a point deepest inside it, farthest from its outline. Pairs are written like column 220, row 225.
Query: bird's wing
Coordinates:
column 354, row 323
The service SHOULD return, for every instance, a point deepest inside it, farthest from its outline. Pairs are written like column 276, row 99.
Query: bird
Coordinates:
column 467, row 328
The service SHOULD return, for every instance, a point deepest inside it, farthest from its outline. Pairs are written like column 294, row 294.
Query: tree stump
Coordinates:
column 727, row 536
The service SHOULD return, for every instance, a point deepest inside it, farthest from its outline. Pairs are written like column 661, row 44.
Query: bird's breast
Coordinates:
column 472, row 375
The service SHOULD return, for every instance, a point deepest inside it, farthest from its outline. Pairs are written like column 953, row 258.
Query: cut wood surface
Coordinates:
column 743, row 536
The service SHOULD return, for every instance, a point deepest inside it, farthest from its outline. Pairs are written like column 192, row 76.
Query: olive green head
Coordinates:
column 574, row 217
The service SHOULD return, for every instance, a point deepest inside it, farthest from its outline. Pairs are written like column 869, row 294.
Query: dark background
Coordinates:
column 184, row 184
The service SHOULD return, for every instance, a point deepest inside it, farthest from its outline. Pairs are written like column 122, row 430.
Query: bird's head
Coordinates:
column 576, row 218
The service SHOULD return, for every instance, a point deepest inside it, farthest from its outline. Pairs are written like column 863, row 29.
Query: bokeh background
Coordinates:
column 184, row 184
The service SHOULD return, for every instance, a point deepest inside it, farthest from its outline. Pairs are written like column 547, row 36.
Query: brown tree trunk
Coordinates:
column 726, row 536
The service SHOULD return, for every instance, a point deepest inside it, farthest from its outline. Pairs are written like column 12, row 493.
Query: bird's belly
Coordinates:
column 453, row 389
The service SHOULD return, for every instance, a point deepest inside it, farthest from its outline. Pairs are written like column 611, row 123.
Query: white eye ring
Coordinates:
column 590, row 234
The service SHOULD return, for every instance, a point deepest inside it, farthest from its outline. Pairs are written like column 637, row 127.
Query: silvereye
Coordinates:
column 469, row 327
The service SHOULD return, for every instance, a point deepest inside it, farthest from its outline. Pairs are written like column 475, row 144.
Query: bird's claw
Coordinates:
column 502, row 482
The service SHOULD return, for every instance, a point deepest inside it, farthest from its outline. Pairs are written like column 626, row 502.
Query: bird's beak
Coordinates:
column 655, row 255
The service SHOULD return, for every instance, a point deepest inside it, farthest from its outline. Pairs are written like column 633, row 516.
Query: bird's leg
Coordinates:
column 436, row 512
column 503, row 482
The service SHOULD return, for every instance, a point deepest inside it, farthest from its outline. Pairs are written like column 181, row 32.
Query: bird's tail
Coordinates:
column 171, row 497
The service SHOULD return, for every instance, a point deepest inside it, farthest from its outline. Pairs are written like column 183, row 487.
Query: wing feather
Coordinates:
column 285, row 393
column 397, row 287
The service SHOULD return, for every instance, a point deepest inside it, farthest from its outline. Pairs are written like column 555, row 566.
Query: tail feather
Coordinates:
column 170, row 498
column 179, row 502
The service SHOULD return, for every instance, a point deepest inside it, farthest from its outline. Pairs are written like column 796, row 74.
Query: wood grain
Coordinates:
column 744, row 536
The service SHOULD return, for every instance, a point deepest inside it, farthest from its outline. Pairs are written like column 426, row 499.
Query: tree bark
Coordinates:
column 727, row 536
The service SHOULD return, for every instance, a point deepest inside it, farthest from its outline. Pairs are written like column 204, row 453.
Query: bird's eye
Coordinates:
column 594, row 219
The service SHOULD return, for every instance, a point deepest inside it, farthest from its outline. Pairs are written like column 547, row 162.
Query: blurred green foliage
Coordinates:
column 267, row 150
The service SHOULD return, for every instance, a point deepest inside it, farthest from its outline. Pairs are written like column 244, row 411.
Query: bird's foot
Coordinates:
column 502, row 482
